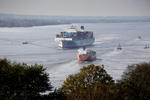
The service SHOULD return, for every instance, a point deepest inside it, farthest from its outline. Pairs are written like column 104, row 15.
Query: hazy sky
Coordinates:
column 77, row 7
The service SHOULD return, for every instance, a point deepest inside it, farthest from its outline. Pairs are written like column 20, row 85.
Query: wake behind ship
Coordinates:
column 72, row 38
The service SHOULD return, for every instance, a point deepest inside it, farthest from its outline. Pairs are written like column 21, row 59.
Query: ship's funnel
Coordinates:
column 82, row 27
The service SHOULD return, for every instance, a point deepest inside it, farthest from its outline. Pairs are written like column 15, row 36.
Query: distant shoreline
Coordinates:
column 11, row 20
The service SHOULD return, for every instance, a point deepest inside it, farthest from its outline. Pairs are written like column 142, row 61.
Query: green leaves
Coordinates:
column 19, row 80
column 93, row 83
column 86, row 84
column 135, row 83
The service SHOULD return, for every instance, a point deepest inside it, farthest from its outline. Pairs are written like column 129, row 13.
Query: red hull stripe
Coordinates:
column 82, row 58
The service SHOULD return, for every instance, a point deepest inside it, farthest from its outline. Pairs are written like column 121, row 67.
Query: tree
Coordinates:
column 91, row 83
column 19, row 80
column 135, row 83
column 56, row 95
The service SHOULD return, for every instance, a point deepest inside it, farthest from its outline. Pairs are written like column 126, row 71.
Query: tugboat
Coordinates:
column 86, row 55
column 72, row 38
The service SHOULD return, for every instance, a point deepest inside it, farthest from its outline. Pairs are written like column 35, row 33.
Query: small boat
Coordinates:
column 139, row 37
column 119, row 47
column 86, row 55
column 25, row 42
column 146, row 46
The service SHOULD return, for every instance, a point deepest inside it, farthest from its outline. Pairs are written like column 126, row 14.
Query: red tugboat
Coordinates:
column 86, row 55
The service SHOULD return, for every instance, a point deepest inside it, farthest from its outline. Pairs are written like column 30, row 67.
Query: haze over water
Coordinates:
column 42, row 49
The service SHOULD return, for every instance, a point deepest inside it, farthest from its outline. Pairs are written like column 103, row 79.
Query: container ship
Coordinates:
column 72, row 38
column 86, row 55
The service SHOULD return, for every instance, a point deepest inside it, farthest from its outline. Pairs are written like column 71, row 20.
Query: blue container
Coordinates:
column 68, row 34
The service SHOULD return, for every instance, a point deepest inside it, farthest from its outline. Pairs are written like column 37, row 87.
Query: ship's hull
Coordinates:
column 75, row 43
column 86, row 57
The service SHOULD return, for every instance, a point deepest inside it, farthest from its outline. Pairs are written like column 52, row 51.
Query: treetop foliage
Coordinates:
column 135, row 83
column 90, row 78
column 19, row 80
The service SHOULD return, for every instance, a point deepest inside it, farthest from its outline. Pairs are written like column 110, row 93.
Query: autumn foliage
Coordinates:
column 93, row 83
column 19, row 81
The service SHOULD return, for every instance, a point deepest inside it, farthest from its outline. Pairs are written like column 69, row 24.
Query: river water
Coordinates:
column 42, row 49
